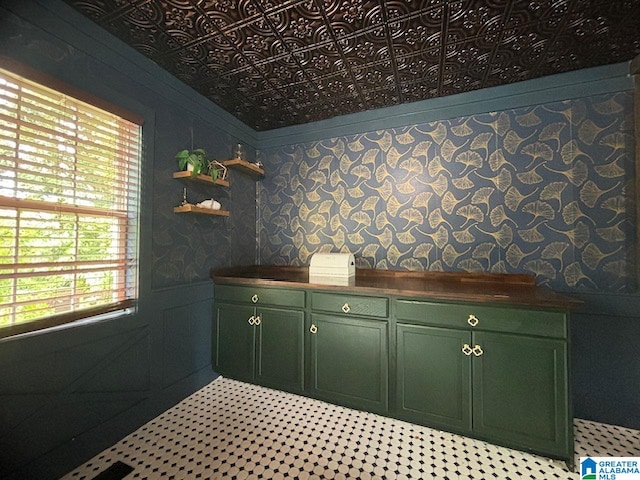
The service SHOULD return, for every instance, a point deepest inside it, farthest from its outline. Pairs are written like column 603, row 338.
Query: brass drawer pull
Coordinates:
column 473, row 320
column 255, row 298
column 252, row 320
column 466, row 349
column 477, row 351
column 257, row 321
column 346, row 308
column 313, row 329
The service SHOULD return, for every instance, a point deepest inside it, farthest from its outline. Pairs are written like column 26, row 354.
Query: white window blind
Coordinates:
column 69, row 196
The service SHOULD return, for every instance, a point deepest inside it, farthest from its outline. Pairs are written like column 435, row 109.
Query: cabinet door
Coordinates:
column 520, row 392
column 349, row 361
column 434, row 376
column 280, row 348
column 233, row 341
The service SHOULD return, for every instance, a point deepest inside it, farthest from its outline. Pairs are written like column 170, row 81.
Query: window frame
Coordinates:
column 126, row 306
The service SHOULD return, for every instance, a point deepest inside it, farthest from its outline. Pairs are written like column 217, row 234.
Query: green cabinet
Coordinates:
column 349, row 357
column 495, row 372
column 261, row 344
column 280, row 348
column 349, row 361
column 290, row 298
column 505, row 387
column 358, row 305
column 520, row 392
column 433, row 377
column 234, row 341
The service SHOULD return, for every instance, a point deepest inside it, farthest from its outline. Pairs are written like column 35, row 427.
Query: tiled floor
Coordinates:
column 234, row 430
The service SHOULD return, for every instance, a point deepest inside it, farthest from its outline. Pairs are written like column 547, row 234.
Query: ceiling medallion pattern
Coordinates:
column 275, row 63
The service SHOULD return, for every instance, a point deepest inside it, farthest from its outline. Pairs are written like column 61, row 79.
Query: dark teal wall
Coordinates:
column 185, row 247
column 66, row 394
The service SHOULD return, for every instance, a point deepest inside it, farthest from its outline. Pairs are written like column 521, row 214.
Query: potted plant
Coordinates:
column 195, row 161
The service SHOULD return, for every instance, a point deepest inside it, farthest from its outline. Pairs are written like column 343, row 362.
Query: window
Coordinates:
column 69, row 193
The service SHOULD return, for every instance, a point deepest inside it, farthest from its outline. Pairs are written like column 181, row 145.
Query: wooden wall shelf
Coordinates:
column 244, row 166
column 200, row 178
column 193, row 209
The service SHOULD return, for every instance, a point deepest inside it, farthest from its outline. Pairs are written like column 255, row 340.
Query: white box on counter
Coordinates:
column 335, row 268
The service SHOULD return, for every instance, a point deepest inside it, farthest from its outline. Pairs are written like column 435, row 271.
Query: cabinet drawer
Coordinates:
column 350, row 304
column 498, row 319
column 259, row 295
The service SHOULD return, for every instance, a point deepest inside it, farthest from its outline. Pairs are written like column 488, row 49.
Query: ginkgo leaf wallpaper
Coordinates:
column 544, row 190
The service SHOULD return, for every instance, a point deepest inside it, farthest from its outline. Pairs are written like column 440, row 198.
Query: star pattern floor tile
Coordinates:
column 235, row 430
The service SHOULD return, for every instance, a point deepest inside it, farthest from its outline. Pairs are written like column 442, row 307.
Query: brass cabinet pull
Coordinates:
column 313, row 328
column 467, row 350
column 257, row 321
column 477, row 351
column 255, row 298
column 252, row 320
column 472, row 320
column 346, row 308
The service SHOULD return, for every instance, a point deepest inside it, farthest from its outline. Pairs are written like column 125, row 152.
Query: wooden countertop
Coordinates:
column 507, row 289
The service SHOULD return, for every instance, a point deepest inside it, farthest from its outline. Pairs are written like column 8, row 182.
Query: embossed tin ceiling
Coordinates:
column 278, row 63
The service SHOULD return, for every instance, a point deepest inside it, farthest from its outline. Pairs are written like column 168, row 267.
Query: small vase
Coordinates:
column 238, row 151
